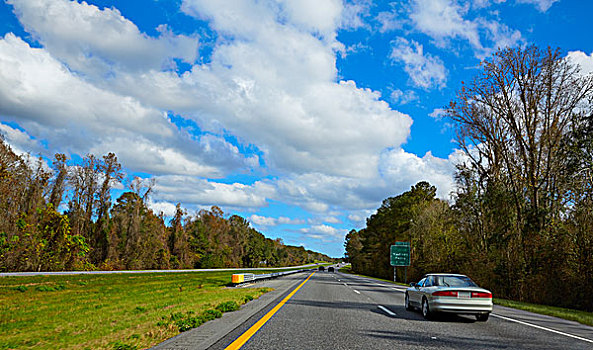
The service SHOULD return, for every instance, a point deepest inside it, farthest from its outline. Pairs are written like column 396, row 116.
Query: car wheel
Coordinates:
column 426, row 309
column 482, row 317
column 407, row 303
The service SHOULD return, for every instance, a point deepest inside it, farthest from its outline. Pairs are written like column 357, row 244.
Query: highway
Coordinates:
column 339, row 311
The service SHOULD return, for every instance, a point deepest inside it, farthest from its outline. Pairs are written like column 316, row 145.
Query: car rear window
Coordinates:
column 453, row 281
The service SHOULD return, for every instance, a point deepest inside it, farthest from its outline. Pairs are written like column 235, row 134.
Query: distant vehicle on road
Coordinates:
column 321, row 268
column 452, row 293
column 330, row 269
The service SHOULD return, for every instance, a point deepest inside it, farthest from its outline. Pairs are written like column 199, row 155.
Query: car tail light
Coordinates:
column 481, row 295
column 445, row 293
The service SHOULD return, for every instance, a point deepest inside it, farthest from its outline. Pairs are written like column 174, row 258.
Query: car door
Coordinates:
column 428, row 287
column 416, row 294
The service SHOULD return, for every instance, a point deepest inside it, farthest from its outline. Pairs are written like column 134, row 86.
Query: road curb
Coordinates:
column 211, row 332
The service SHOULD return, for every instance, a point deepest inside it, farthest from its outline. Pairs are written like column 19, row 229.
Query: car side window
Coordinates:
column 421, row 283
column 429, row 281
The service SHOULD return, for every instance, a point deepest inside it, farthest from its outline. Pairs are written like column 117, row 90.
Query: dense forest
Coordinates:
column 520, row 221
column 94, row 233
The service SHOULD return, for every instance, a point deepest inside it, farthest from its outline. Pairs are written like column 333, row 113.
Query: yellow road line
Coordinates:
column 239, row 342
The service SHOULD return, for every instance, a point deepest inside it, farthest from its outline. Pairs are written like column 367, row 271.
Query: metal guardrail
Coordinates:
column 30, row 273
column 242, row 278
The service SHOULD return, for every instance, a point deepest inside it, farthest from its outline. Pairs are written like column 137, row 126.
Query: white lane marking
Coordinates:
column 399, row 290
column 355, row 291
column 345, row 284
column 543, row 328
column 389, row 312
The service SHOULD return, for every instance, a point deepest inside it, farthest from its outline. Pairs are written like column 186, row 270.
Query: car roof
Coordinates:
column 444, row 274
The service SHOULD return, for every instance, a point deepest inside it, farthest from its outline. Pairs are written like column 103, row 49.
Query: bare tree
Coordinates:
column 515, row 122
column 59, row 182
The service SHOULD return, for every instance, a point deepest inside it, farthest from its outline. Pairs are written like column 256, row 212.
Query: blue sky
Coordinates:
column 300, row 115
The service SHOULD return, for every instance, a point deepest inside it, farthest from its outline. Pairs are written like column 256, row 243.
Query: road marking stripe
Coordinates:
column 543, row 328
column 345, row 284
column 389, row 312
column 355, row 291
column 239, row 342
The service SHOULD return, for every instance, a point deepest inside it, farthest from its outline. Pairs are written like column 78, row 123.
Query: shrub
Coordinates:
column 176, row 316
column 227, row 306
column 189, row 323
column 48, row 288
column 211, row 314
column 123, row 346
column 139, row 309
column 21, row 289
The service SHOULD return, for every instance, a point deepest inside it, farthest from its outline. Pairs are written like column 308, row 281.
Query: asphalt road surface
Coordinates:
column 340, row 311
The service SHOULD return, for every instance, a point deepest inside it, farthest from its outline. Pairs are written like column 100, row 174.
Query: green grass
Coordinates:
column 119, row 311
column 583, row 317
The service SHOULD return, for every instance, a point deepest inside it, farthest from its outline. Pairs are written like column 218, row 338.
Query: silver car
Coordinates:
column 452, row 293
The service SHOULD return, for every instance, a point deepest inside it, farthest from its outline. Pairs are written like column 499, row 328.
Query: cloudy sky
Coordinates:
column 299, row 115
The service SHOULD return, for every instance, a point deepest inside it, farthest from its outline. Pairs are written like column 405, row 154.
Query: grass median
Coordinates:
column 583, row 317
column 114, row 311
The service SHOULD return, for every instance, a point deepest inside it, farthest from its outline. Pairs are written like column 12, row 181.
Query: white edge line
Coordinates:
column 389, row 312
column 543, row 328
column 345, row 284
column 355, row 291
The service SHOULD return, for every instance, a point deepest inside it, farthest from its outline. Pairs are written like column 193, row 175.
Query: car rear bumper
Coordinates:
column 461, row 306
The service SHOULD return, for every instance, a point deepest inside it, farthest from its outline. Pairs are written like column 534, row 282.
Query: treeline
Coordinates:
column 94, row 233
column 520, row 221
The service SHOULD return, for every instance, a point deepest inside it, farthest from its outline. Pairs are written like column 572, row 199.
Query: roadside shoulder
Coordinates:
column 211, row 332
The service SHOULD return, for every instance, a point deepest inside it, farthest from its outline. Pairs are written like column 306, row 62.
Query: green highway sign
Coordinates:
column 400, row 254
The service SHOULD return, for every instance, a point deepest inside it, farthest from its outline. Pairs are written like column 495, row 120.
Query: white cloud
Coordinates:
column 444, row 20
column 425, row 70
column 200, row 192
column 277, row 87
column 401, row 169
column 398, row 170
column 271, row 221
column 93, row 40
column 438, row 113
column 72, row 115
column 358, row 217
column 283, row 220
column 353, row 13
column 272, row 83
column 166, row 208
column 403, row 97
column 542, row 5
column 324, row 233
column 263, row 220
column 332, row 220
column 315, row 16
column 20, row 142
column 389, row 21
column 583, row 60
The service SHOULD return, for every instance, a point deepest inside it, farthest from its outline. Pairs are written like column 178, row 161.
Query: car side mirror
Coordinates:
column 413, row 284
